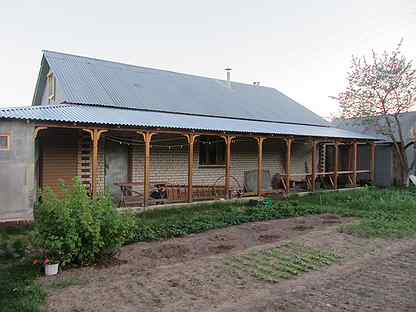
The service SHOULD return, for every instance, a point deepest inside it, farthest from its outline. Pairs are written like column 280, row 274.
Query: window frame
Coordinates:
column 218, row 162
column 51, row 86
column 8, row 136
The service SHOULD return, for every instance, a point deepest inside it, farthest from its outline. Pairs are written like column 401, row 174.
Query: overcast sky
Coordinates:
column 302, row 48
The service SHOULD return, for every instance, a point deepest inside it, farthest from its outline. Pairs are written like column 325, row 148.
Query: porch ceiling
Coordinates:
column 108, row 116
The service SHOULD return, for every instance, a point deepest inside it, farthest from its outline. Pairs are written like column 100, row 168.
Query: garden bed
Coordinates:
column 141, row 273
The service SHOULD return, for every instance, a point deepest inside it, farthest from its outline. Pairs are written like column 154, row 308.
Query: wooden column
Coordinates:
column 373, row 162
column 313, row 177
column 289, row 142
column 95, row 139
column 260, row 166
column 228, row 141
column 336, row 164
column 354, row 162
column 147, row 138
column 36, row 132
column 191, row 141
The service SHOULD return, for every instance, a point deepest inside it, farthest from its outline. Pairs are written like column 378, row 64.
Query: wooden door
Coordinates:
column 58, row 152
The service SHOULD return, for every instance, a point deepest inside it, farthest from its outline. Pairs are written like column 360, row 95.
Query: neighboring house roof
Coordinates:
column 98, row 82
column 407, row 121
column 135, row 118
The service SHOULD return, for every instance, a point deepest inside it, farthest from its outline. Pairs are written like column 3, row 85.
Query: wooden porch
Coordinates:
column 343, row 172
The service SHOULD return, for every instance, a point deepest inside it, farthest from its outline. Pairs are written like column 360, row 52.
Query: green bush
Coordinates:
column 78, row 229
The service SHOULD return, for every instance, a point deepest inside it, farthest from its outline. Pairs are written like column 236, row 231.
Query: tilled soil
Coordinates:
column 188, row 274
column 377, row 281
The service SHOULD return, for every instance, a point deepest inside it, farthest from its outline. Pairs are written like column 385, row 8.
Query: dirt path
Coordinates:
column 189, row 274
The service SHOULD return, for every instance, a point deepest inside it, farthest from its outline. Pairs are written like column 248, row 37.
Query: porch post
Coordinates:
column 36, row 132
column 191, row 141
column 336, row 165
column 289, row 142
column 95, row 139
column 147, row 137
column 228, row 139
column 260, row 166
column 313, row 177
column 354, row 162
column 373, row 162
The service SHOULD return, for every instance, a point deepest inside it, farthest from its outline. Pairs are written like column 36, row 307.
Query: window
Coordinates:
column 4, row 142
column 211, row 151
column 51, row 87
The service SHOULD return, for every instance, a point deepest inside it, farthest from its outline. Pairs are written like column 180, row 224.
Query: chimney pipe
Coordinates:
column 228, row 70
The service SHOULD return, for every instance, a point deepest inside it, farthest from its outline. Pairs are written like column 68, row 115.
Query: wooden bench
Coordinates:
column 179, row 192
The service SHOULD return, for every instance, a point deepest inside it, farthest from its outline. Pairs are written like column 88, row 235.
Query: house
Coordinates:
column 387, row 170
column 153, row 136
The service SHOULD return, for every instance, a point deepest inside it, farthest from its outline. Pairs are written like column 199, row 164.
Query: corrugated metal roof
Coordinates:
column 136, row 118
column 98, row 82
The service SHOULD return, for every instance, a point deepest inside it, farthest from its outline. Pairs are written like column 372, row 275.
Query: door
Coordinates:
column 116, row 167
column 384, row 175
column 58, row 158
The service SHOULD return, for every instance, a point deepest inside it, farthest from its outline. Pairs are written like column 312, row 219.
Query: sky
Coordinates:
column 302, row 48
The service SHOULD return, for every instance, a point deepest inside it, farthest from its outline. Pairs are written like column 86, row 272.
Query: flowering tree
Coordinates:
column 377, row 92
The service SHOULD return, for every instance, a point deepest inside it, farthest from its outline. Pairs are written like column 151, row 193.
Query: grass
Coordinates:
column 389, row 213
column 63, row 283
column 19, row 290
column 283, row 262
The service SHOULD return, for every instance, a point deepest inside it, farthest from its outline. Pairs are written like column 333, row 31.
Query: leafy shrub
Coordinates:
column 78, row 229
column 55, row 229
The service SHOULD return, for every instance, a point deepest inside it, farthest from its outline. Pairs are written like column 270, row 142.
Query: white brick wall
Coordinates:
column 172, row 165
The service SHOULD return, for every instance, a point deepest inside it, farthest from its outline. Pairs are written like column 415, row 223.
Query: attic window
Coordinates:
column 51, row 87
column 4, row 142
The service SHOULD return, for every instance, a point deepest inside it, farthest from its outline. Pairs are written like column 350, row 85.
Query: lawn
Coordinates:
column 389, row 213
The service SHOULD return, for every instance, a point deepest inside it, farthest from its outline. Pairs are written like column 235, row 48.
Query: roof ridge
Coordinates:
column 92, row 81
column 36, row 107
column 158, row 69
